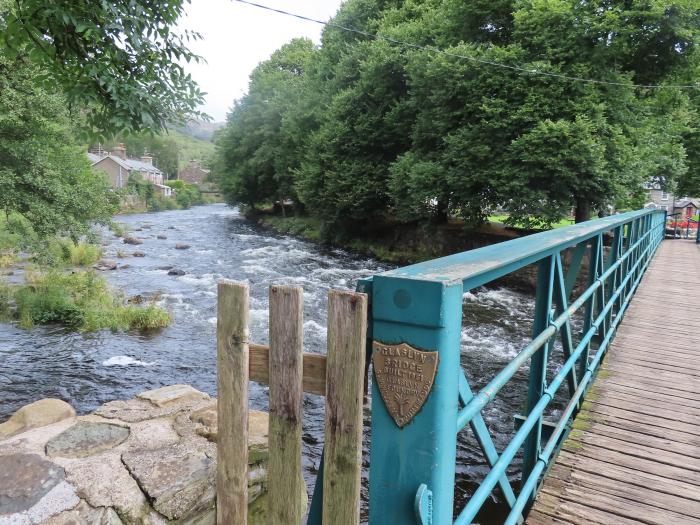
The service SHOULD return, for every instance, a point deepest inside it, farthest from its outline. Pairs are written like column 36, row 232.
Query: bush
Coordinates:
column 59, row 251
column 186, row 194
column 80, row 300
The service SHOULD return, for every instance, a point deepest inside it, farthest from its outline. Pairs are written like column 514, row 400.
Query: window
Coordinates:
column 664, row 207
column 664, row 196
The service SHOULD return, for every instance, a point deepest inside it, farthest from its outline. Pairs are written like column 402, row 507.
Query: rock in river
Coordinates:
column 138, row 254
column 182, row 246
column 176, row 272
column 104, row 265
column 132, row 240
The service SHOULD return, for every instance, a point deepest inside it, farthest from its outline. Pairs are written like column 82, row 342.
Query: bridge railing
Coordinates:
column 417, row 313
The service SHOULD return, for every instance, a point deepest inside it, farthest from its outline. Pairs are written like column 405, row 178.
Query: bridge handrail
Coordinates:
column 405, row 305
column 478, row 267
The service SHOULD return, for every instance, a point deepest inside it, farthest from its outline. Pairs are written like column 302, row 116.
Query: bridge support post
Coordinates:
column 427, row 315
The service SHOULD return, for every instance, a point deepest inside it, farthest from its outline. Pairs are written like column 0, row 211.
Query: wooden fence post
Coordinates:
column 285, row 479
column 232, row 407
column 347, row 329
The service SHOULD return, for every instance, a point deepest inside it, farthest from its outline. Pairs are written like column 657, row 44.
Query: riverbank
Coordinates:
column 54, row 281
column 393, row 242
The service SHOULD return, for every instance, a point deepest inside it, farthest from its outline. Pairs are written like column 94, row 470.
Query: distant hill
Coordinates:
column 199, row 129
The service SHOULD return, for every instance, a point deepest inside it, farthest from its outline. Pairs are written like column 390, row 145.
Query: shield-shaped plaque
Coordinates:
column 405, row 377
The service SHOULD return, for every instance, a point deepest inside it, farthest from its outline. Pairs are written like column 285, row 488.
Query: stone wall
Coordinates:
column 147, row 461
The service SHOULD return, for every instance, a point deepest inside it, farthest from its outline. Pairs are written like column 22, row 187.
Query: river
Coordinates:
column 90, row 369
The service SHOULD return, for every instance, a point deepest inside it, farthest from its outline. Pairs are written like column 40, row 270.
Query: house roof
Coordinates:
column 142, row 166
column 684, row 203
column 119, row 161
column 128, row 164
column 93, row 157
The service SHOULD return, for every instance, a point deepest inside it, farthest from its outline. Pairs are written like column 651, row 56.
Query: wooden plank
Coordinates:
column 614, row 505
column 634, row 462
column 314, row 366
column 691, row 450
column 649, row 401
column 538, row 518
column 644, row 393
column 637, row 450
column 613, row 412
column 347, row 331
column 232, row 405
column 285, row 478
column 668, row 413
column 580, row 513
column 628, row 475
column 652, row 384
column 633, row 425
column 687, row 508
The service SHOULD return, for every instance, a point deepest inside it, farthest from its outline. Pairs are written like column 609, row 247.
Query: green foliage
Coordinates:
column 44, row 175
column 361, row 130
column 121, row 62
column 80, row 300
column 186, row 195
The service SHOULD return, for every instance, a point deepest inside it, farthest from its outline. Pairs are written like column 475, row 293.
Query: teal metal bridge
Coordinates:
column 416, row 313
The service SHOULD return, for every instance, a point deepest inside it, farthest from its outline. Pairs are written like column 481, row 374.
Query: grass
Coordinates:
column 562, row 223
column 7, row 259
column 81, row 300
column 119, row 229
column 307, row 227
column 60, row 252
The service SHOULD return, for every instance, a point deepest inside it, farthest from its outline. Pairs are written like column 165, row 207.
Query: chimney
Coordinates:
column 147, row 159
column 119, row 151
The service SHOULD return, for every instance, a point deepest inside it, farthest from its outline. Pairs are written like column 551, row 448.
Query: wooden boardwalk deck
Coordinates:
column 634, row 454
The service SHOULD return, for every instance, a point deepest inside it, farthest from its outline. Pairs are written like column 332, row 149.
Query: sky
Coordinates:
column 237, row 37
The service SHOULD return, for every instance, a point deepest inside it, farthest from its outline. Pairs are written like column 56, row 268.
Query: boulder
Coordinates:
column 138, row 254
column 169, row 395
column 104, row 265
column 176, row 272
column 32, row 489
column 84, row 514
column 24, row 480
column 125, row 267
column 179, row 481
column 258, row 422
column 86, row 438
column 132, row 240
column 182, row 246
column 161, row 237
column 38, row 414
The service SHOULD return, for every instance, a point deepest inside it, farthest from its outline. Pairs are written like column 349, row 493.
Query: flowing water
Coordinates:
column 90, row 369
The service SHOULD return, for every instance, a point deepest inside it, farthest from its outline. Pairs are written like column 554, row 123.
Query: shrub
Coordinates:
column 83, row 254
column 81, row 300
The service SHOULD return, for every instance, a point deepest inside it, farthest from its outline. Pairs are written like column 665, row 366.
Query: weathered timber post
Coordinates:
column 232, row 407
column 347, row 329
column 414, row 446
column 285, row 479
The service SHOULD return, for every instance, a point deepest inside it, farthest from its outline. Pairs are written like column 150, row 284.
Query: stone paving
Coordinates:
column 145, row 461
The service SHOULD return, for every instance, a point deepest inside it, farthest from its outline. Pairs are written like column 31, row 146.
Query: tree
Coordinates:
column 266, row 130
column 119, row 62
column 44, row 174
column 534, row 107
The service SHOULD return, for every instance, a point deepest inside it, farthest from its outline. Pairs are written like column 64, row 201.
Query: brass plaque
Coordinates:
column 405, row 377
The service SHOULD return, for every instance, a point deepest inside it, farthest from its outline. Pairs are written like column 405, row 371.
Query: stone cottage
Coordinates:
column 119, row 168
column 194, row 173
column 659, row 198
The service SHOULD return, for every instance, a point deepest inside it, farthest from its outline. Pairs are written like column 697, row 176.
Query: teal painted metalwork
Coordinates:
column 422, row 305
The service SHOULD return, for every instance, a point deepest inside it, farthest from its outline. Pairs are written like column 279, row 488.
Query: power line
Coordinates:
column 482, row 61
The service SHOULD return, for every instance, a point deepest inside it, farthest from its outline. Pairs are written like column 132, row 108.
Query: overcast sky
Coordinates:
column 237, row 37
